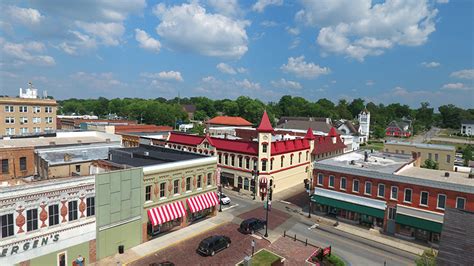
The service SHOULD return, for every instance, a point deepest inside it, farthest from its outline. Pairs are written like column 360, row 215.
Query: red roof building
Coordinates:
column 235, row 121
column 286, row 159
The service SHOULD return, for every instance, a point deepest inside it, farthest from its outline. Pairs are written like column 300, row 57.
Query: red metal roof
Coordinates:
column 265, row 125
column 229, row 120
column 239, row 146
column 141, row 128
column 286, row 146
column 309, row 134
column 324, row 144
column 185, row 139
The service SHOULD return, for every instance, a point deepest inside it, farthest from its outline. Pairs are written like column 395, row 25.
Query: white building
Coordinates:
column 364, row 125
column 467, row 127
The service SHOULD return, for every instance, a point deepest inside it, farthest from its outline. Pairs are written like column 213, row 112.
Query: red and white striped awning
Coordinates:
column 166, row 213
column 202, row 201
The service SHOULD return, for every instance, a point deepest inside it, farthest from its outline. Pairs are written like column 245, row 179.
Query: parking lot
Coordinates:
column 184, row 253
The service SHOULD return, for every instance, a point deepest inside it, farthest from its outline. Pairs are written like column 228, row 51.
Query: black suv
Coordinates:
column 213, row 244
column 252, row 225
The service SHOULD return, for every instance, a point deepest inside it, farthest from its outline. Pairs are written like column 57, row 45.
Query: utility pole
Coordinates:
column 255, row 174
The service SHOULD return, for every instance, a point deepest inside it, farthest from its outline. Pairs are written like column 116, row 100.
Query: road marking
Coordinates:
column 286, row 202
column 228, row 208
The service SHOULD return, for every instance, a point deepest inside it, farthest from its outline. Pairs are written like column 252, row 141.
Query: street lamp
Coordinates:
column 269, row 195
column 255, row 174
column 310, row 188
column 219, row 184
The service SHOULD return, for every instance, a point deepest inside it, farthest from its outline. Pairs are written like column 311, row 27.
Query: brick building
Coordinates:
column 388, row 192
column 16, row 162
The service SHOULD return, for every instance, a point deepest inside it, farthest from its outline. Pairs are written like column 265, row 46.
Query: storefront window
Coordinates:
column 160, row 228
column 246, row 183
column 239, row 182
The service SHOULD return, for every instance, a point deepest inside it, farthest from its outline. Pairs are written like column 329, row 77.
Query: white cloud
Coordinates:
column 163, row 75
column 109, row 33
column 456, row 86
column 25, row 16
column 225, row 68
column 77, row 43
column 369, row 83
column 286, row 84
column 242, row 70
column 358, row 29
column 430, row 64
column 260, row 5
column 146, row 42
column 295, row 43
column 442, row 1
column 303, row 69
column 246, row 84
column 464, row 74
column 293, row 31
column 228, row 8
column 16, row 54
column 98, row 81
column 189, row 27
column 269, row 23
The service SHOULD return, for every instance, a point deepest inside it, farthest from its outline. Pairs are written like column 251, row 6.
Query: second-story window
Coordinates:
column 22, row 163
column 162, row 189
column 209, row 179
column 424, row 198
column 408, row 194
column 199, row 181
column 6, row 222
column 23, row 109
column 264, row 147
column 240, row 161
column 355, row 186
column 72, row 210
column 394, row 193
column 90, row 206
column 232, row 160
column 343, row 183
column 264, row 165
column 9, row 109
column 53, row 214
column 441, row 201
column 460, row 203
column 31, row 220
column 226, row 159
column 368, row 188
column 381, row 191
column 176, row 187
column 5, row 166
column 188, row 183
column 271, row 165
column 331, row 181
column 299, row 157
column 281, row 161
column 220, row 158
column 148, row 193
column 48, row 109
column 247, row 163
column 36, row 109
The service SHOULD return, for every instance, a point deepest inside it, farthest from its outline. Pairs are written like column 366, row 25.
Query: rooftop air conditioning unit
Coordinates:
column 446, row 174
column 146, row 153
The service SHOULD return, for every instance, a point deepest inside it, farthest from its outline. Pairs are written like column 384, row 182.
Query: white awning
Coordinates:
column 422, row 214
column 377, row 204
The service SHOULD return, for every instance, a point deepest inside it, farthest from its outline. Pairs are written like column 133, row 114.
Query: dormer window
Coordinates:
column 264, row 147
column 206, row 145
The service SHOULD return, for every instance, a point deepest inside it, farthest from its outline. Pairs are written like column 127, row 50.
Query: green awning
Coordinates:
column 348, row 206
column 419, row 223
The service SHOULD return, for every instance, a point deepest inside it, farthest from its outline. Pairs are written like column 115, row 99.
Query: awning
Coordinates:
column 166, row 213
column 350, row 202
column 421, row 219
column 202, row 201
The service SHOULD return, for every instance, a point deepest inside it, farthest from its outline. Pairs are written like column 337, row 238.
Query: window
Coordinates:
column 448, row 158
column 176, row 187
column 368, row 188
column 264, row 147
column 90, row 211
column 48, row 109
column 460, row 203
column 392, row 212
column 9, row 131
column 232, row 160
column 291, row 160
column 162, row 189
column 31, row 220
column 53, row 214
column 381, row 191
column 441, row 201
column 331, row 181
column 36, row 109
column 5, row 168
column 355, row 185
column 320, row 179
column 188, row 183
column 254, row 164
column 226, row 159
column 394, row 193
column 240, row 162
column 23, row 109
column 72, row 210
column 199, row 181
column 264, row 165
column 436, row 157
column 343, row 183
column 48, row 129
column 78, row 168
column 7, row 225
column 271, row 164
column 430, row 156
column 22, row 163
column 247, row 163
column 307, row 154
column 36, row 120
column 148, row 193
column 9, row 109
column 281, row 161
column 408, row 193
column 220, row 158
column 24, row 130
column 209, row 179
column 424, row 198
column 36, row 129
column 23, row 120
column 299, row 157
column 9, row 120
column 49, row 120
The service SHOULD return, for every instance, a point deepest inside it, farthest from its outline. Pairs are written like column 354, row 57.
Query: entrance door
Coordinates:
column 62, row 259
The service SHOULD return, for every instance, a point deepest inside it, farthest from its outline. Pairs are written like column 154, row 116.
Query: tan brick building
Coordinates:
column 26, row 116
column 16, row 162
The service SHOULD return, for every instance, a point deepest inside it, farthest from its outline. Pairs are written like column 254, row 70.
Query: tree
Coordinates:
column 424, row 115
column 356, row 106
column 428, row 258
column 467, row 155
column 198, row 129
column 231, row 108
column 430, row 164
column 200, row 115
column 343, row 110
column 450, row 116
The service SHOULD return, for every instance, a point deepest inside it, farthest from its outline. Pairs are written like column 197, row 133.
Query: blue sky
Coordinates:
column 381, row 51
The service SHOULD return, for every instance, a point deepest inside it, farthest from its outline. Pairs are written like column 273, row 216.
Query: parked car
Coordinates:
column 213, row 244
column 251, row 225
column 224, row 199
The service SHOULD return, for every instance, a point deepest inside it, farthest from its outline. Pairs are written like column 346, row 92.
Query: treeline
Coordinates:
column 162, row 111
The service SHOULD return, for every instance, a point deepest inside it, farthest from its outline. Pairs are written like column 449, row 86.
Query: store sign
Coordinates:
column 32, row 244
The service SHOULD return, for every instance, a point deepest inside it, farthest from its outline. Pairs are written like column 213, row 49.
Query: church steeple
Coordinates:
column 265, row 125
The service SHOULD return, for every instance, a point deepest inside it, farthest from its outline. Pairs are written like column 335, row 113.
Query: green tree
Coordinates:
column 200, row 115
column 450, row 116
column 424, row 115
column 430, row 164
column 356, row 106
column 467, row 155
column 231, row 108
column 342, row 109
column 197, row 129
column 428, row 258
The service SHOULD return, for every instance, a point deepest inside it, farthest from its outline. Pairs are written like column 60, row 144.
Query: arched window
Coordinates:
column 246, row 184
column 239, row 185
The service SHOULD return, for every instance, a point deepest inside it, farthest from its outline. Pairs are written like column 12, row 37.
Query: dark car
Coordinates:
column 213, row 244
column 252, row 225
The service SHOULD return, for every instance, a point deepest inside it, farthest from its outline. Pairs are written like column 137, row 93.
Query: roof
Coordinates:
column 422, row 145
column 229, row 121
column 309, row 134
column 457, row 241
column 61, row 138
column 437, row 175
column 74, row 154
column 324, row 144
column 399, row 124
column 185, row 139
column 303, row 123
column 265, row 125
column 470, row 122
column 279, row 147
column 141, row 128
column 332, row 132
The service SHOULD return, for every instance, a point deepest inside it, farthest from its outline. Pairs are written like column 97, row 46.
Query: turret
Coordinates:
column 265, row 131
column 333, row 135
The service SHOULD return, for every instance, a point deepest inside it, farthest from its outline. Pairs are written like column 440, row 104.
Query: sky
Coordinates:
column 381, row 51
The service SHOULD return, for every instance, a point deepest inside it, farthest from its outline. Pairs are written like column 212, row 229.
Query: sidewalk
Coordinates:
column 167, row 240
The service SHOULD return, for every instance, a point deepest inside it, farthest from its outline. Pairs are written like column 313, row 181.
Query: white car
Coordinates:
column 224, row 199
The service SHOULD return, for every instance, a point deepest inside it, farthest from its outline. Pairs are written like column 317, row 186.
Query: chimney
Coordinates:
column 366, row 156
column 353, row 162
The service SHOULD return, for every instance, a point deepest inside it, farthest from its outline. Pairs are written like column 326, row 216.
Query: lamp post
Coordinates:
column 269, row 192
column 255, row 173
column 219, row 183
column 310, row 187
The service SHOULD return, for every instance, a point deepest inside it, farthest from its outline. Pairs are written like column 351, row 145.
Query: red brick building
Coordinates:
column 388, row 192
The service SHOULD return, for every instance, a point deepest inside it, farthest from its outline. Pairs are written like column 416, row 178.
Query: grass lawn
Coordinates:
column 335, row 260
column 263, row 258
column 378, row 146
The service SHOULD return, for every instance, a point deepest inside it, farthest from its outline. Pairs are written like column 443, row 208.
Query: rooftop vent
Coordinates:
column 146, row 153
column 352, row 162
column 366, row 156
column 107, row 140
column 446, row 174
column 52, row 143
column 67, row 157
column 79, row 141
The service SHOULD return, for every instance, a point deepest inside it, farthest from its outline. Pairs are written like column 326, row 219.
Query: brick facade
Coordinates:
column 14, row 169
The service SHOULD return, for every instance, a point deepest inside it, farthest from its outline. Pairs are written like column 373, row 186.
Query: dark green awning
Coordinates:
column 419, row 223
column 348, row 206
